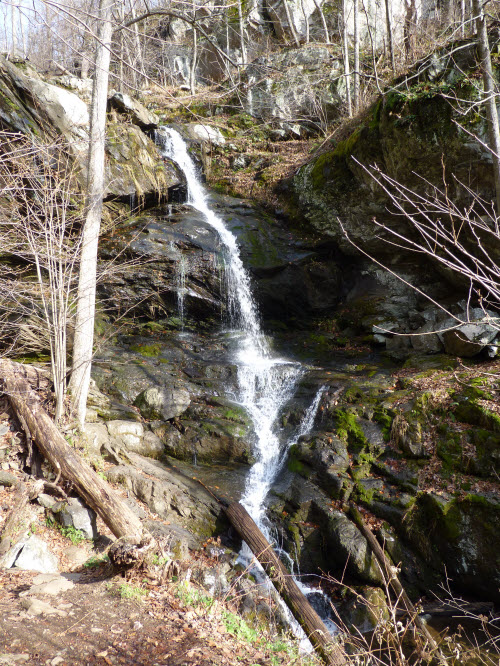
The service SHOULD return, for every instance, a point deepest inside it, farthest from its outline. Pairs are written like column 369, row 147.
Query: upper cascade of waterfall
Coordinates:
column 174, row 147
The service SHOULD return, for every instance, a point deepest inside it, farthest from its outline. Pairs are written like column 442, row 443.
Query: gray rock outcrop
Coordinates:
column 134, row 167
column 74, row 513
column 162, row 403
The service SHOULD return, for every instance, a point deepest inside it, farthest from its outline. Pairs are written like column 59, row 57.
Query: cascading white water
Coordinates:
column 265, row 382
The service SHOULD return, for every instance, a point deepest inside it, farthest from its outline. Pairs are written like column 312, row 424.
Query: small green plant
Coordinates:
column 71, row 533
column 160, row 561
column 95, row 561
column 237, row 626
column 133, row 592
column 190, row 596
column 68, row 531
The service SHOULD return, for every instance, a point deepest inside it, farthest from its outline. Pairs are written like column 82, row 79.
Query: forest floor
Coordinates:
column 103, row 619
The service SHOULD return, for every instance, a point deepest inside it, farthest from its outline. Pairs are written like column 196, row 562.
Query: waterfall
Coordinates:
column 266, row 382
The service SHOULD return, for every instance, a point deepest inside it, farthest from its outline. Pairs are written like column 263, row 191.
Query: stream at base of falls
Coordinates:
column 265, row 382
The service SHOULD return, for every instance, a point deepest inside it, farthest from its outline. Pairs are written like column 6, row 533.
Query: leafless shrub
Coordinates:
column 40, row 219
column 464, row 240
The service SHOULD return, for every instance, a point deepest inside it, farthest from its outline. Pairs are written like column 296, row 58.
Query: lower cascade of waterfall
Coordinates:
column 265, row 382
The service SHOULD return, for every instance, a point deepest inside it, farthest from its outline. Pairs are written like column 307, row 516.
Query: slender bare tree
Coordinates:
column 345, row 50
column 390, row 37
column 85, row 313
column 356, row 77
column 490, row 91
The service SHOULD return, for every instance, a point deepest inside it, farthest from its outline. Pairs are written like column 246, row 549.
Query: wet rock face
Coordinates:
column 179, row 259
column 176, row 256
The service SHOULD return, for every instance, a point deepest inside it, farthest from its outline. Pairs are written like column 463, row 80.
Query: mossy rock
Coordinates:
column 364, row 609
column 475, row 451
column 470, row 411
column 459, row 538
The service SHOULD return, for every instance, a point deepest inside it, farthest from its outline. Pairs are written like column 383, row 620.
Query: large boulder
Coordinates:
column 174, row 496
column 135, row 169
column 162, row 402
column 411, row 135
column 458, row 537
column 295, row 83
column 31, row 554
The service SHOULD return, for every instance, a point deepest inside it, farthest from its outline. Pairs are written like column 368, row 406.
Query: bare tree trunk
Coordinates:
column 390, row 40
column 13, row 17
column 372, row 44
column 490, row 93
column 306, row 20
column 347, row 70
column 356, row 79
column 94, row 490
column 16, row 523
column 192, row 69
column 23, row 35
column 409, row 27
column 121, row 19
column 85, row 313
column 242, row 33
column 290, row 24
column 323, row 21
column 462, row 18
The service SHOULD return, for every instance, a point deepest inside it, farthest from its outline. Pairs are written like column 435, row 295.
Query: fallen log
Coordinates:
column 389, row 573
column 94, row 491
column 459, row 609
column 330, row 651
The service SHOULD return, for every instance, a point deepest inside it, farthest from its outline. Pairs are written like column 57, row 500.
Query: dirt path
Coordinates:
column 93, row 623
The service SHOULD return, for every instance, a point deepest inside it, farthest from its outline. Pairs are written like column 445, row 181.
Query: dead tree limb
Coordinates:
column 318, row 634
column 95, row 491
column 390, row 575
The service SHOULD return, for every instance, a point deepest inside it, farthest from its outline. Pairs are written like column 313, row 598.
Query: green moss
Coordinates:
column 471, row 412
column 353, row 395
column 450, row 451
column 349, row 429
column 294, row 464
column 345, row 148
column 233, row 415
column 150, row 351
column 364, row 495
column 384, row 419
